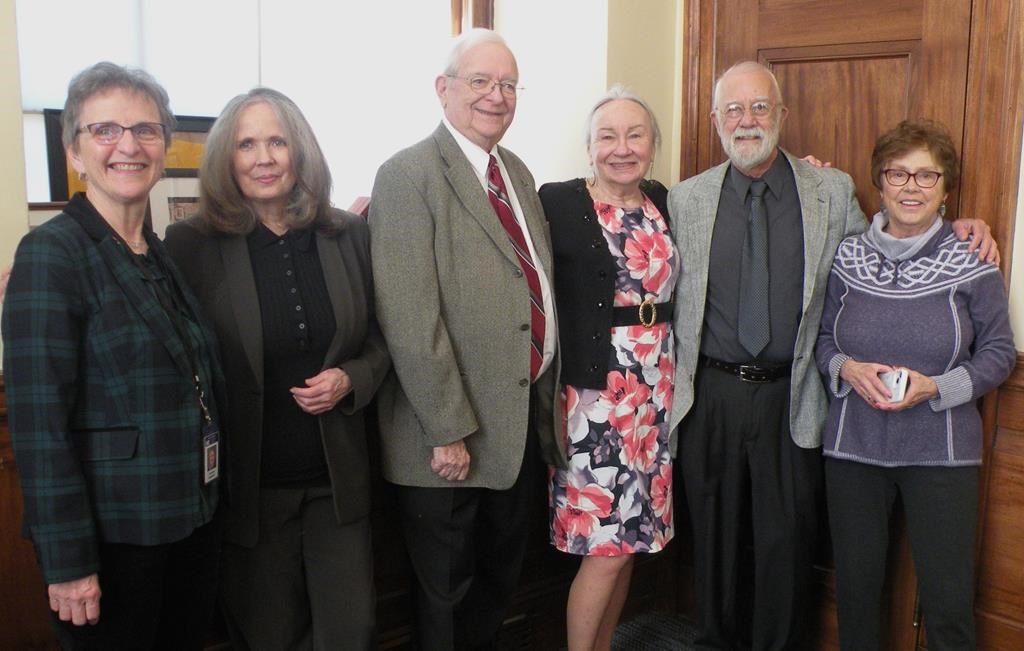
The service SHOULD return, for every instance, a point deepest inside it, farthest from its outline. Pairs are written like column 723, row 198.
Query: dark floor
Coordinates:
column 654, row 632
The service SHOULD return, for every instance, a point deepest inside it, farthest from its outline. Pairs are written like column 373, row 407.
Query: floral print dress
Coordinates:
column 616, row 495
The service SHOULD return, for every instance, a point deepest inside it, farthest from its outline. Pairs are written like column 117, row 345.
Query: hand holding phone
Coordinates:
column 896, row 382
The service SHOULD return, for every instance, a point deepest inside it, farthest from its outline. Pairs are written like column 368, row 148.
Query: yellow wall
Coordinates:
column 13, row 209
column 644, row 54
column 13, row 206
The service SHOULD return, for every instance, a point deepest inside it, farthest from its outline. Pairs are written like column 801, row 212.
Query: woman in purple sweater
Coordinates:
column 907, row 295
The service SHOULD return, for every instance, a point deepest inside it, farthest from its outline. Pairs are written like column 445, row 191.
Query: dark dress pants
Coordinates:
column 308, row 582
column 748, row 485
column 466, row 546
column 153, row 596
column 941, row 506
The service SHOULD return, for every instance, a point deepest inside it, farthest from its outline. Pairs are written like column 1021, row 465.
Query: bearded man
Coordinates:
column 757, row 235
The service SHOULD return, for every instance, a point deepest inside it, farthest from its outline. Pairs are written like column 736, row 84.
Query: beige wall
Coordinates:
column 13, row 209
column 645, row 54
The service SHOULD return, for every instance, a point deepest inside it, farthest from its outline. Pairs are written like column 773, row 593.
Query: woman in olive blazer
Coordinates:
column 286, row 280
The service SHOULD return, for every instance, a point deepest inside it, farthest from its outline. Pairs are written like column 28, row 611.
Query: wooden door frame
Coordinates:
column 991, row 155
column 992, row 135
column 481, row 14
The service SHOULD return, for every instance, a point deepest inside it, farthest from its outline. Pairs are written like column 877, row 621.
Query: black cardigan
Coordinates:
column 584, row 278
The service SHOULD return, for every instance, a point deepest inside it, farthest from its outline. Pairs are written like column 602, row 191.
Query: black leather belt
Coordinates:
column 757, row 373
column 646, row 314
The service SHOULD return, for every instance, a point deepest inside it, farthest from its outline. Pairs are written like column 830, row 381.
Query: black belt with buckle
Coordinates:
column 757, row 373
column 646, row 314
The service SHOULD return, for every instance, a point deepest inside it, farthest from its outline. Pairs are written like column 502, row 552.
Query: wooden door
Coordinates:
column 25, row 623
column 849, row 70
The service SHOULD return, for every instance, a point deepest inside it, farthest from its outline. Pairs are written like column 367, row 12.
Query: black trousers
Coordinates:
column 308, row 582
column 153, row 596
column 467, row 546
column 941, row 506
column 752, row 495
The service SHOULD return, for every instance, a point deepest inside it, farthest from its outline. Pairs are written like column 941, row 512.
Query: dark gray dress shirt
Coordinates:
column 785, row 264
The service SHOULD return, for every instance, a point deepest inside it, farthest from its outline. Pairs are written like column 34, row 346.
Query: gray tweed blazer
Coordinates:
column 452, row 303
column 830, row 212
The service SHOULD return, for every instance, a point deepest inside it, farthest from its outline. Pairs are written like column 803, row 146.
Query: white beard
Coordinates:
column 746, row 157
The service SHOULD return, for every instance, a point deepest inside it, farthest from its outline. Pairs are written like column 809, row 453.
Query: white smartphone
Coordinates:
column 897, row 383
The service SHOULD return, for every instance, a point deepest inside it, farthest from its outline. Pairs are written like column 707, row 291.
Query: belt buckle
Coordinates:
column 754, row 374
column 648, row 323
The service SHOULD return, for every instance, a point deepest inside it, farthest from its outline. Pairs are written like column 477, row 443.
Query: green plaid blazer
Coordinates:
column 102, row 411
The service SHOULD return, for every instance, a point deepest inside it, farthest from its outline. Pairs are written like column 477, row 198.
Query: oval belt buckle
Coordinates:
column 648, row 322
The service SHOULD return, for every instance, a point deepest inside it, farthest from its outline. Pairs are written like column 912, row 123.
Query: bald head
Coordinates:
column 746, row 68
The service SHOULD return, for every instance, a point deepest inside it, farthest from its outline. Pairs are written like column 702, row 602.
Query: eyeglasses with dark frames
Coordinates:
column 110, row 133
column 923, row 178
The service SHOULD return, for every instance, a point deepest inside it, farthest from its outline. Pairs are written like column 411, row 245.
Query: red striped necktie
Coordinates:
column 499, row 199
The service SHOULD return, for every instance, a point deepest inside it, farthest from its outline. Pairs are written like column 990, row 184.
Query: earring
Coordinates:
column 942, row 209
column 82, row 177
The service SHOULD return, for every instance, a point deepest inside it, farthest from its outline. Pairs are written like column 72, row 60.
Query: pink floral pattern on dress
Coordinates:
column 616, row 496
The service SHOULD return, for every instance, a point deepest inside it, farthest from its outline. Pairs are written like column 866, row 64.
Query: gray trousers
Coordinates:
column 308, row 582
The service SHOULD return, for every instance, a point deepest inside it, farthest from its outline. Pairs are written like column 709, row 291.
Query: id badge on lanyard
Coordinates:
column 211, row 438
column 211, row 452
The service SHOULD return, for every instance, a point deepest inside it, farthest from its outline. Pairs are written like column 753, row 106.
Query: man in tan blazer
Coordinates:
column 472, row 337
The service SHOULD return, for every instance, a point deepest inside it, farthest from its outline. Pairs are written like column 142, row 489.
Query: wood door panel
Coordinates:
column 999, row 634
column 1001, row 575
column 850, row 69
column 1000, row 595
column 22, row 592
column 995, row 110
column 881, row 81
column 821, row 23
column 848, row 72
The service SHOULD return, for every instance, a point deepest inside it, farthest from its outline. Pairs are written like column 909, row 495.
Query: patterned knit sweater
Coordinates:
column 940, row 312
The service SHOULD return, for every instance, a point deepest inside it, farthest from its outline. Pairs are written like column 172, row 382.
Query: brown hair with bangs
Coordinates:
column 221, row 203
column 911, row 135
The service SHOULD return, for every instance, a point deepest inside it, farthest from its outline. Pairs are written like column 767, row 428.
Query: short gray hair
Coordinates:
column 467, row 41
column 106, row 76
column 618, row 91
column 746, row 66
column 221, row 202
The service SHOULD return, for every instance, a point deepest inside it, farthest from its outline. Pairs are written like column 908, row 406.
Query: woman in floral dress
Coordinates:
column 615, row 269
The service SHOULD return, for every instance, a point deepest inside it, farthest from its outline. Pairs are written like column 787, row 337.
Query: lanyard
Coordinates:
column 172, row 304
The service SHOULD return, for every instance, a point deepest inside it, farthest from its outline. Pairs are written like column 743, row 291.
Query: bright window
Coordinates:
column 362, row 72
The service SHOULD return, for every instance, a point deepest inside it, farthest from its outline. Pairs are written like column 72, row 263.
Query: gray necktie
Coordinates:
column 754, row 328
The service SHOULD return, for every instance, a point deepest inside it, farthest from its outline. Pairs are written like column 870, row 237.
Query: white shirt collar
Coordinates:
column 476, row 156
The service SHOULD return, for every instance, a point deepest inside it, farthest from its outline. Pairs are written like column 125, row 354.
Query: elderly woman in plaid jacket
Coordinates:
column 111, row 375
